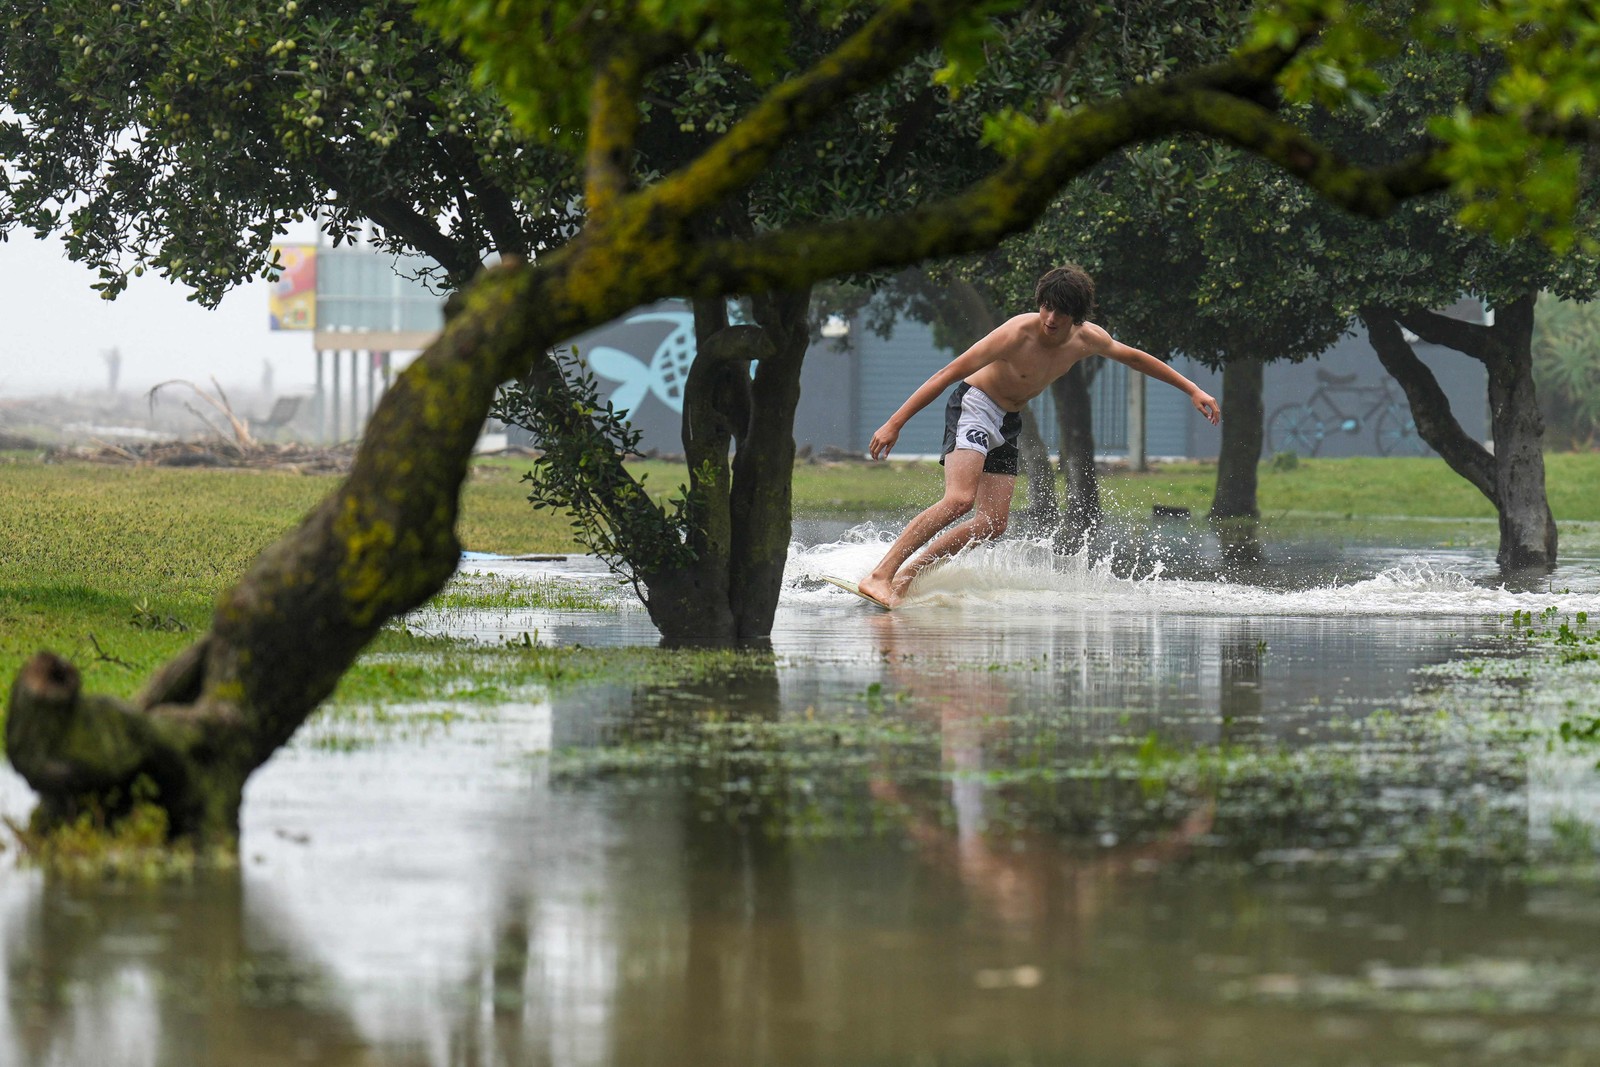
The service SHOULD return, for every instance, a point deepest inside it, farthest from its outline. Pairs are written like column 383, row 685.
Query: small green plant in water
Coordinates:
column 580, row 472
column 1586, row 729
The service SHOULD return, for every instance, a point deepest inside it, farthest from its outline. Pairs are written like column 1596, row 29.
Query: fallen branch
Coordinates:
column 241, row 429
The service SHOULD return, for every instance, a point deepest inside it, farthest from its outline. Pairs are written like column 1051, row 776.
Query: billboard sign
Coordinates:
column 292, row 303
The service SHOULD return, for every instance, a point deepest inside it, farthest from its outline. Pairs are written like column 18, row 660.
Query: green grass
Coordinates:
column 842, row 489
column 473, row 591
column 1362, row 487
column 109, row 564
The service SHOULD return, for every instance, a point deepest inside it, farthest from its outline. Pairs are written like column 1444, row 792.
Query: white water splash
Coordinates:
column 1021, row 577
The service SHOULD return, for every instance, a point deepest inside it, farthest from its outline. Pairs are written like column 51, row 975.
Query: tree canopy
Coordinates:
column 384, row 541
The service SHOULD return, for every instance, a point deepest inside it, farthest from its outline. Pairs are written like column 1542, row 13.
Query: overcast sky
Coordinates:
column 58, row 330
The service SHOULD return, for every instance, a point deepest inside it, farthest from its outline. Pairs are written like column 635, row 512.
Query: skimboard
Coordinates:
column 850, row 587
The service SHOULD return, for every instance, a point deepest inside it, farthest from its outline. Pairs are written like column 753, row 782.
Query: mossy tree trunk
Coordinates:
column 1512, row 475
column 729, row 590
column 280, row 639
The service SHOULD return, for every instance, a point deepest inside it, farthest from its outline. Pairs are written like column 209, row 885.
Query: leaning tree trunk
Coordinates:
column 380, row 545
column 1512, row 475
column 1240, row 457
column 1074, row 414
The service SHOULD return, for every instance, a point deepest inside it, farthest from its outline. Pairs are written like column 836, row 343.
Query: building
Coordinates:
column 1341, row 404
column 854, row 379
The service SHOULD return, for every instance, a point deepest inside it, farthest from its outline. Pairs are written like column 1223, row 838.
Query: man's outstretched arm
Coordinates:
column 1151, row 367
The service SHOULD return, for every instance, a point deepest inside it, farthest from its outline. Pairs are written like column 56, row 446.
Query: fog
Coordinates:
column 60, row 331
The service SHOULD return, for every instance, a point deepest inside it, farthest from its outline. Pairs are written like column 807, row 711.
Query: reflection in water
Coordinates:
column 100, row 976
column 1042, row 814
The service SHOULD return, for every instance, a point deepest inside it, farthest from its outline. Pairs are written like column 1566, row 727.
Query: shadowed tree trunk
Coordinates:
column 1240, row 457
column 696, row 598
column 1075, row 416
column 1512, row 475
column 761, row 506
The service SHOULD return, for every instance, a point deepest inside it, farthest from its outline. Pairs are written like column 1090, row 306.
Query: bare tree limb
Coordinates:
column 1430, row 407
column 1469, row 338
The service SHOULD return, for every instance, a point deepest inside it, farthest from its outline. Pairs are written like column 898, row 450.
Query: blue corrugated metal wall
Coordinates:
column 887, row 370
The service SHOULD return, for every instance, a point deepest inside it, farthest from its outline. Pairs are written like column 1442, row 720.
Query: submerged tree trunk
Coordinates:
column 1074, row 414
column 695, row 598
column 1240, row 457
column 1512, row 475
column 763, row 470
column 729, row 591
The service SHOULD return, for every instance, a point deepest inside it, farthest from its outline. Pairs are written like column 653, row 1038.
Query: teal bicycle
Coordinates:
column 1302, row 427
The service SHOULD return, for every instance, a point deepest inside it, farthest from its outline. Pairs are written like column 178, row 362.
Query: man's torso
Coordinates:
column 1027, row 363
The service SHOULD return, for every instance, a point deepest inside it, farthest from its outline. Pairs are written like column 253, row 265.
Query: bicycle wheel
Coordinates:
column 1396, row 433
column 1295, row 428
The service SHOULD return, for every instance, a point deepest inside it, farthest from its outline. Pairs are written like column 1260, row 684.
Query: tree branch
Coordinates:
column 910, row 123
column 1430, row 408
column 1469, row 338
column 396, row 216
column 1011, row 198
column 899, row 31
column 613, row 128
column 1373, row 193
column 499, row 211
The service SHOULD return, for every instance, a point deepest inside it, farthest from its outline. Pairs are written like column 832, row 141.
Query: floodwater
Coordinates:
column 1050, row 811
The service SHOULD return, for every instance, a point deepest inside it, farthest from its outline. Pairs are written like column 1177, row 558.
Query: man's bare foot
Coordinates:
column 878, row 590
column 901, row 586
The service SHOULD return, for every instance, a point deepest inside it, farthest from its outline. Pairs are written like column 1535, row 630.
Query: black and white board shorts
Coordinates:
column 974, row 421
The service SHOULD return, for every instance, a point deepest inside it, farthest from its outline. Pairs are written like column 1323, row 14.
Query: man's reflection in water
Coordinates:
column 1018, row 870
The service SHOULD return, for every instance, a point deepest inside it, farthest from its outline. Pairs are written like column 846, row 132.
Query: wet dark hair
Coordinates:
column 1068, row 290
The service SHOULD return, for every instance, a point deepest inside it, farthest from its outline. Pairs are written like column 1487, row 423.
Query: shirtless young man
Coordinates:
column 999, row 375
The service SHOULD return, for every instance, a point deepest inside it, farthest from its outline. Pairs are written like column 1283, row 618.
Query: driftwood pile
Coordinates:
column 215, row 452
column 226, row 440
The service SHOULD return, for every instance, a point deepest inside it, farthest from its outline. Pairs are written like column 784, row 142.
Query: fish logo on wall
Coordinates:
column 667, row 372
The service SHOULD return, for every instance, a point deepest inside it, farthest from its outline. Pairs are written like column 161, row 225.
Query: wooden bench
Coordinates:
column 284, row 409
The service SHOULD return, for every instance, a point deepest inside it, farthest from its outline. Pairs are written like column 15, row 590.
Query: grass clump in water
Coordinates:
column 410, row 684
column 476, row 591
column 798, row 776
column 131, row 846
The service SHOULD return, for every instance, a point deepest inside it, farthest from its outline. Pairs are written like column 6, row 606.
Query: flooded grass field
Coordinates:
column 1337, row 807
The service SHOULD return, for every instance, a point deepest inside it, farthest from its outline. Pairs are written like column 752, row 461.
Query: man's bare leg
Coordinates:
column 963, row 469
column 992, row 514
